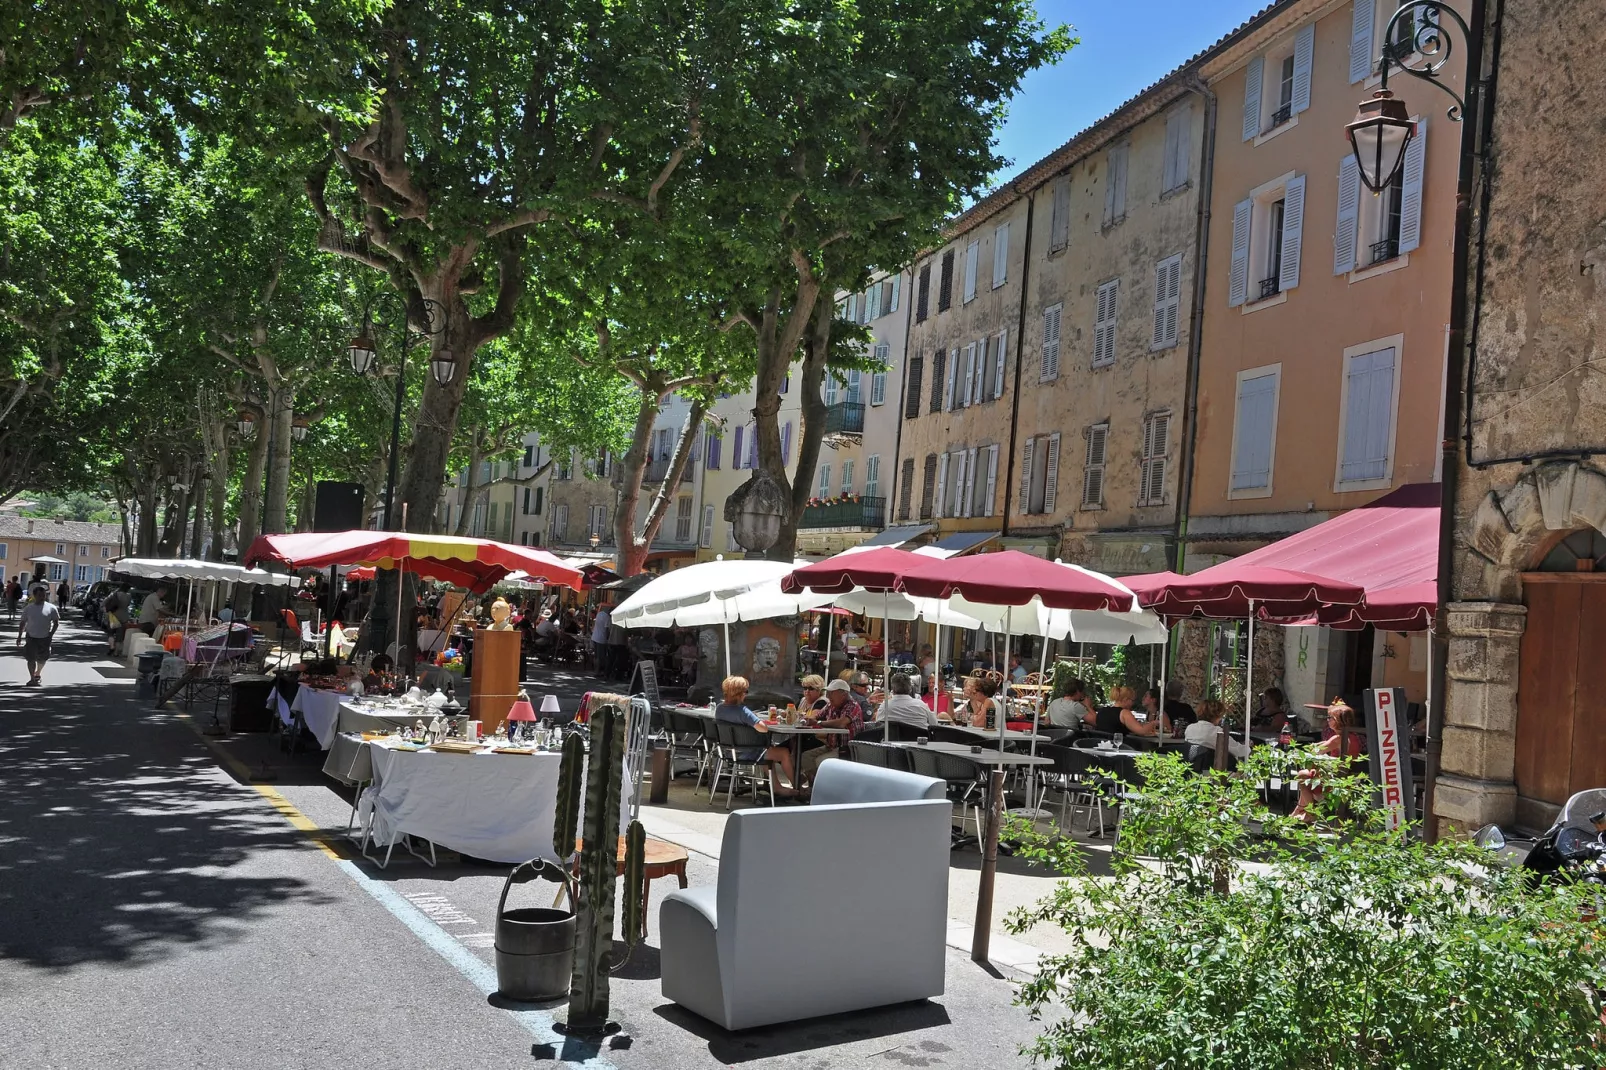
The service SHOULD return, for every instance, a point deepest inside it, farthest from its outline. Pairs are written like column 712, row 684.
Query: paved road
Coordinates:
column 157, row 912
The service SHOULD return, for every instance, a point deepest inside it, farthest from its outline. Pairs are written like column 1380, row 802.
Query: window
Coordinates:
column 1374, row 230
column 662, row 445
column 1266, row 239
column 1178, row 148
column 80, row 573
column 967, row 385
column 752, row 446
column 871, row 304
column 529, row 456
column 951, row 394
column 1098, row 441
column 1167, row 302
column 984, row 461
column 1115, row 184
column 1156, row 446
column 105, row 552
column 847, row 477
column 824, row 490
column 1051, row 344
column 1000, row 255
column 906, row 483
column 58, row 573
column 982, row 388
column 878, row 379
column 83, row 551
column 922, row 298
column 786, row 384
column 527, row 501
column 560, row 522
column 1254, row 432
column 786, row 443
column 736, row 453
column 711, row 446
column 705, row 538
column 566, row 469
column 1104, row 324
column 911, row 397
column 872, row 475
column 493, row 517
column 1040, row 467
column 683, row 506
column 1369, row 21
column 972, row 256
column 1277, row 85
column 1059, row 226
column 540, row 493
column 939, row 362
column 830, row 388
column 928, row 487
column 889, row 296
column 1366, row 448
column 1000, row 349
column 597, row 521
column 945, row 286
column 853, row 386
column 3, row 547
column 61, row 549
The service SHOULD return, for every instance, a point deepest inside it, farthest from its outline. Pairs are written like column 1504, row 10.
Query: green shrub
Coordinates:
column 1227, row 936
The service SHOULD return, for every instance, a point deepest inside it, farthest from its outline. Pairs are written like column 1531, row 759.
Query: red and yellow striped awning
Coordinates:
column 477, row 564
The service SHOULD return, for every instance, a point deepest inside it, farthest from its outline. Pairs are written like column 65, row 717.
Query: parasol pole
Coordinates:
column 1037, row 706
column 726, row 624
column 830, row 631
column 886, row 643
column 1002, row 712
column 1249, row 672
column 936, row 667
column 1165, row 661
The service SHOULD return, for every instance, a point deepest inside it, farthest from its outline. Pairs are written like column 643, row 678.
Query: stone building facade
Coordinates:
column 1524, row 726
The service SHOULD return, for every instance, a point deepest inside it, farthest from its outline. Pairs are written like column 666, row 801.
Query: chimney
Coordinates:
column 30, row 526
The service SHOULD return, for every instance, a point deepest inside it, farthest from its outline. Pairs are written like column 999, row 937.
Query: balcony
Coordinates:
column 1279, row 117
column 845, row 418
column 861, row 514
column 1270, row 287
column 656, row 471
column 1387, row 249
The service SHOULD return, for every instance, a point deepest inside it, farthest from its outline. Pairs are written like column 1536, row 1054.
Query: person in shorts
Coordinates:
column 35, row 628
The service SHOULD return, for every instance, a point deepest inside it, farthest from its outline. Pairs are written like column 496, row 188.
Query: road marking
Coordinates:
column 478, row 972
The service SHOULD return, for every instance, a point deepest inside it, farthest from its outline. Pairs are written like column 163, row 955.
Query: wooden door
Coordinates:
column 1561, row 691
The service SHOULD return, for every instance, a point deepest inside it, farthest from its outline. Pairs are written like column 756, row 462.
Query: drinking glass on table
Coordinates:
column 1117, row 739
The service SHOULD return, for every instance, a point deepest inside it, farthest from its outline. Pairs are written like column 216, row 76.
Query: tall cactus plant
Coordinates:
column 598, row 864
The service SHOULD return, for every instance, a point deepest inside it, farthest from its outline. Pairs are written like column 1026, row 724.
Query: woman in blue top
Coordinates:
column 734, row 710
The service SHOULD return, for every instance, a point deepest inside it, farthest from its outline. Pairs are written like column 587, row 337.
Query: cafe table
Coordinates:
column 795, row 733
column 990, row 757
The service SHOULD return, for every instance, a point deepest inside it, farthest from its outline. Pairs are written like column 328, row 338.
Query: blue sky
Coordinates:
column 1125, row 46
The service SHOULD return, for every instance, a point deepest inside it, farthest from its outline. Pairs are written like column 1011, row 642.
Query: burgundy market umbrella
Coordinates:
column 877, row 570
column 1012, row 578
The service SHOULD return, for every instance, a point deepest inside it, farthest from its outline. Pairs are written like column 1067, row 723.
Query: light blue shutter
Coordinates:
column 998, row 363
column 1238, row 277
column 1360, row 40
column 1251, row 462
column 1304, row 52
column 1416, row 153
column 1349, row 211
column 1369, row 409
column 1252, row 75
column 1293, row 223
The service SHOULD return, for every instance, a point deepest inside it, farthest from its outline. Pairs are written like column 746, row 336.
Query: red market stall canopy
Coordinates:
column 880, row 569
column 477, row 564
column 1229, row 591
column 1013, row 578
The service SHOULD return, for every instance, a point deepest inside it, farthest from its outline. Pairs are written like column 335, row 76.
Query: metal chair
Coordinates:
column 735, row 738
column 964, row 781
column 867, row 753
column 1079, row 778
column 900, row 732
column 713, row 756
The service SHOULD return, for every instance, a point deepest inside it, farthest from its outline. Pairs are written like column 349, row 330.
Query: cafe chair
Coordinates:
column 735, row 738
column 900, row 732
column 964, row 781
column 713, row 756
column 1078, row 780
column 769, row 942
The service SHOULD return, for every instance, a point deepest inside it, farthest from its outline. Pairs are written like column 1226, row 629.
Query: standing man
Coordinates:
column 599, row 639
column 152, row 611
column 63, row 594
column 36, row 627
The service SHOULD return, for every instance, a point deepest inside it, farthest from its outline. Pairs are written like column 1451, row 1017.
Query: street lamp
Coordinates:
column 298, row 428
column 246, row 424
column 1378, row 136
column 362, row 353
column 443, row 366
column 1415, row 43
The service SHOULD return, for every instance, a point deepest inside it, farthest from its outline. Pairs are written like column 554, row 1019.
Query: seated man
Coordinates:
column 842, row 711
column 903, row 707
column 1207, row 729
column 1070, row 709
column 734, row 710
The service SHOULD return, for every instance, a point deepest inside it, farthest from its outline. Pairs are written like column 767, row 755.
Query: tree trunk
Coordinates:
column 146, row 545
column 438, row 410
column 251, row 491
column 197, row 498
column 220, row 461
column 780, row 335
column 470, row 488
column 811, row 429
column 275, row 514
column 633, row 549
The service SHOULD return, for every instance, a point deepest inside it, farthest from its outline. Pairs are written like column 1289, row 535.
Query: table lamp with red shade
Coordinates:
column 522, row 711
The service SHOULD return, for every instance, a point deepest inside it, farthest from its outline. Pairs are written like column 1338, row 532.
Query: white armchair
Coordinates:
column 838, row 906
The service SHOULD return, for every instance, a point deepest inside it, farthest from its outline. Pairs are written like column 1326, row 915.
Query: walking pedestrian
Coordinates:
column 13, row 596
column 63, row 594
column 35, row 629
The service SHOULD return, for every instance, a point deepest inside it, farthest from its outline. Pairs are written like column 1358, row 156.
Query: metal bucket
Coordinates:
column 534, row 945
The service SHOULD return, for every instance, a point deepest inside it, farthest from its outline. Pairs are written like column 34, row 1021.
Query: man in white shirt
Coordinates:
column 903, row 707
column 152, row 611
column 1203, row 732
column 36, row 626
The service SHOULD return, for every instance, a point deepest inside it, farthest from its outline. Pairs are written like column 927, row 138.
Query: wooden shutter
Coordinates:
column 872, row 303
column 1349, row 214
column 928, row 487
column 1293, row 232
column 1360, row 40
column 949, row 382
column 1051, row 474
column 1104, row 323
column 1254, row 433
column 1093, row 466
column 911, row 399
column 847, row 476
column 1026, row 475
column 1368, row 415
column 923, row 298
column 939, row 361
column 737, row 454
column 1178, row 146
column 830, row 388
column 872, row 476
column 752, row 446
column 1416, row 154
column 1000, row 255
column 982, row 386
column 878, row 380
column 972, row 258
column 969, row 384
column 855, row 378
column 705, row 538
column 945, row 286
column 1059, row 229
column 1167, row 301
column 906, row 488
column 1304, row 52
column 1115, row 184
column 1238, row 276
column 999, row 351
column 890, row 300
column 1252, row 77
column 1156, row 444
column 942, row 485
column 1051, row 344
column 992, row 481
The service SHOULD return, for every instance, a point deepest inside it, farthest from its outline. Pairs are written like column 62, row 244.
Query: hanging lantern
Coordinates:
column 298, row 428
column 246, row 424
column 443, row 366
column 1378, row 136
column 361, row 353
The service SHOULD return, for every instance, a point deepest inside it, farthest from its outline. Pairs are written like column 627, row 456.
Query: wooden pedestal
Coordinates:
column 496, row 677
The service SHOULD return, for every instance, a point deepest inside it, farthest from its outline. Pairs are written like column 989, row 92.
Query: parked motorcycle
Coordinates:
column 1574, row 846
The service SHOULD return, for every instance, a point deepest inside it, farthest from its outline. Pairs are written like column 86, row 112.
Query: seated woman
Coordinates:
column 813, row 700
column 1207, row 729
column 1343, row 743
column 980, row 709
column 1151, row 710
column 734, row 710
column 1123, row 698
column 686, row 657
column 1273, row 712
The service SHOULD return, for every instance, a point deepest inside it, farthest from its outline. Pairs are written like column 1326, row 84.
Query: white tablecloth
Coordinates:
column 321, row 712
column 499, row 807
